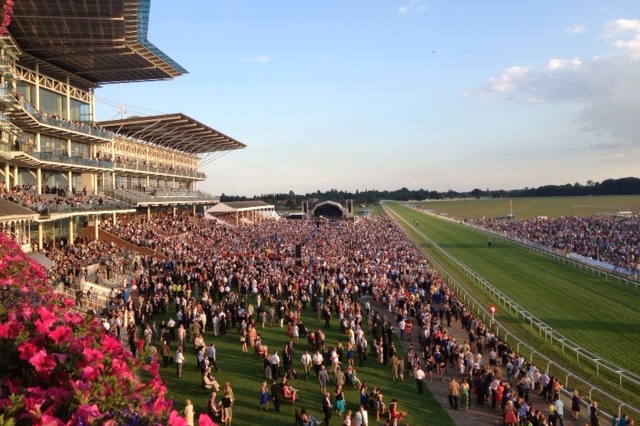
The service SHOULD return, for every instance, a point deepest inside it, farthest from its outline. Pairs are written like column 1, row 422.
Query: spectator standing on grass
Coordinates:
column 361, row 417
column 276, row 392
column 179, row 360
column 327, row 408
column 419, row 375
column 188, row 412
column 264, row 397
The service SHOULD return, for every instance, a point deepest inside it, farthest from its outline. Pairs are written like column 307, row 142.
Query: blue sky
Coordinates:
column 356, row 95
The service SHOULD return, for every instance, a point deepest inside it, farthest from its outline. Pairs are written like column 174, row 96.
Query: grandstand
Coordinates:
column 63, row 168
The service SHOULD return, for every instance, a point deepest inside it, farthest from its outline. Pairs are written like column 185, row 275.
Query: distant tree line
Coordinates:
column 290, row 200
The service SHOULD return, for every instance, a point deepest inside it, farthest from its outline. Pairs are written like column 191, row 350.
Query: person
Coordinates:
column 395, row 416
column 214, row 407
column 165, row 351
column 209, row 382
column 327, row 408
column 305, row 360
column 464, row 393
column 188, row 412
column 559, row 408
column 346, row 420
column 378, row 405
column 179, row 361
column 276, row 392
column 551, row 409
column 575, row 404
column 419, row 375
column 595, row 414
column 362, row 417
column 338, row 404
column 264, row 397
column 227, row 404
column 307, row 419
column 509, row 415
column 288, row 392
column 323, row 378
column 453, row 391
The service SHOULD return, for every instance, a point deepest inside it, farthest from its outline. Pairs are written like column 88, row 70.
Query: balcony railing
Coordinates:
column 66, row 124
column 161, row 170
column 66, row 159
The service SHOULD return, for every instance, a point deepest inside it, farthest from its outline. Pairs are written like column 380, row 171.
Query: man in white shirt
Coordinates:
column 317, row 361
column 419, row 376
column 305, row 360
column 362, row 417
column 274, row 360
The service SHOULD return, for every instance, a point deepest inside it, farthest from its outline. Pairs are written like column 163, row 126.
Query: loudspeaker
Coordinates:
column 305, row 207
column 350, row 207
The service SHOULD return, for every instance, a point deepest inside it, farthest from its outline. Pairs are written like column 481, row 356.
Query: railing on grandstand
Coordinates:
column 74, row 160
column 159, row 170
column 152, row 195
column 571, row 380
column 73, row 126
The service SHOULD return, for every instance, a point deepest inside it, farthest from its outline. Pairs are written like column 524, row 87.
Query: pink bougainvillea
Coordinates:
column 59, row 367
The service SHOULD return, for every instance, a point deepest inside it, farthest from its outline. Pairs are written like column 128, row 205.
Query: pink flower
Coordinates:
column 174, row 420
column 60, row 334
column 27, row 350
column 42, row 362
column 205, row 420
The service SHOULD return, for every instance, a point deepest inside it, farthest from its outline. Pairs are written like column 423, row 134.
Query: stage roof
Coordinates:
column 97, row 40
column 174, row 131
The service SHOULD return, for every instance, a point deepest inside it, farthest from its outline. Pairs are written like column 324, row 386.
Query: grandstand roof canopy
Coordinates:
column 174, row 131
column 100, row 41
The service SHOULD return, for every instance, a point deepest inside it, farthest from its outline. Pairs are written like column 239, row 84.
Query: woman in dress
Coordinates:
column 395, row 416
column 595, row 414
column 364, row 397
column 464, row 393
column 510, row 417
column 338, row 405
column 243, row 339
column 575, row 404
column 264, row 397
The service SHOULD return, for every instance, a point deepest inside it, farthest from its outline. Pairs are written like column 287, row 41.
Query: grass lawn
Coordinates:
column 245, row 374
column 601, row 316
column 527, row 208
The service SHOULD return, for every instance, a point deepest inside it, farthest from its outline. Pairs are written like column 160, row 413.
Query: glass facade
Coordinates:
column 53, row 145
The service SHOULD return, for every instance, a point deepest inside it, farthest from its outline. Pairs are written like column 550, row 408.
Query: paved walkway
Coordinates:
column 476, row 415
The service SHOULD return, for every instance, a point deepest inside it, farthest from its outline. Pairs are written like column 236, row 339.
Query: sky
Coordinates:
column 383, row 94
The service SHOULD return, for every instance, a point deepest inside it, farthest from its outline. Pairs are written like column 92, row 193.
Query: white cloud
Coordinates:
column 261, row 59
column 604, row 87
column 509, row 80
column 558, row 64
column 412, row 6
column 575, row 29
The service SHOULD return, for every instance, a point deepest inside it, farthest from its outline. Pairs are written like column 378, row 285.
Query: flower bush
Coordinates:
column 59, row 367
column 7, row 11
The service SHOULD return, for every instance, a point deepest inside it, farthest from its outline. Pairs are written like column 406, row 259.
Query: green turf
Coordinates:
column 601, row 316
column 245, row 374
column 526, row 208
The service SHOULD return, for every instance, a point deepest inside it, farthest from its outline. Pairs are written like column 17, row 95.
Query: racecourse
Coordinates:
column 527, row 208
column 601, row 316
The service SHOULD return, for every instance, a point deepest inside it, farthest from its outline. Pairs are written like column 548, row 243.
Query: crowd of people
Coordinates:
column 365, row 276
column 606, row 238
column 27, row 196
